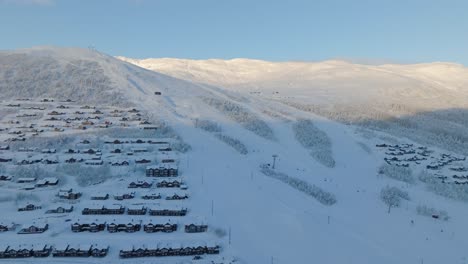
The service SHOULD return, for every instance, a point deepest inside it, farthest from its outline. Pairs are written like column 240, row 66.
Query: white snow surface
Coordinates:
column 270, row 221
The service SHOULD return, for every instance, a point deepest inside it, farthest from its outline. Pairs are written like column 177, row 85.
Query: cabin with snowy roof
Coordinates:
column 166, row 228
column 29, row 207
column 127, row 228
column 169, row 184
column 159, row 171
column 136, row 210
column 196, row 228
column 49, row 181
column 167, row 212
column 69, row 194
column 152, row 196
column 60, row 210
column 92, row 227
column 34, row 229
column 104, row 210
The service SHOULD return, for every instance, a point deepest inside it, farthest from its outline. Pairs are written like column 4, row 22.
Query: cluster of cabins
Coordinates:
column 169, row 250
column 152, row 196
column 42, row 251
column 80, row 251
column 93, row 156
column 37, row 251
column 120, row 210
column 57, row 210
column 444, row 160
column 130, row 227
column 404, row 154
column 66, row 116
column 161, row 171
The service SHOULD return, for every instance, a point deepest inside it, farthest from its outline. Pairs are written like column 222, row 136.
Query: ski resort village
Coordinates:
column 128, row 187
column 115, row 160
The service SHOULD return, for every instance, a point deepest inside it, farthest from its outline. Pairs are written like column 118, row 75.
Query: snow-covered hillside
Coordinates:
column 425, row 102
column 328, row 81
column 269, row 166
column 80, row 74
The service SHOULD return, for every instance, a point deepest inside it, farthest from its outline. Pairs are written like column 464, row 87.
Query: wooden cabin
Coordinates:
column 5, row 227
column 41, row 251
column 169, row 184
column 109, row 210
column 168, row 212
column 102, row 196
column 196, row 228
column 134, row 210
column 99, row 252
column 151, row 196
column 49, row 181
column 166, row 228
column 125, row 196
column 34, row 229
column 72, row 251
column 26, row 180
column 60, row 210
column 29, row 207
column 176, row 196
column 127, row 228
column 169, row 250
column 5, row 178
column 69, row 194
column 140, row 184
column 153, row 171
column 92, row 227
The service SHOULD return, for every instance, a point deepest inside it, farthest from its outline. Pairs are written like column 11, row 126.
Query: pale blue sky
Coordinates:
column 373, row 30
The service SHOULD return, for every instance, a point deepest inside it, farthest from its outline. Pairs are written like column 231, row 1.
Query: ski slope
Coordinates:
column 268, row 220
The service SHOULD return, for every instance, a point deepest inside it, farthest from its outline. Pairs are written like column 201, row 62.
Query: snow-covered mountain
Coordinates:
column 425, row 102
column 73, row 73
column 330, row 198
column 440, row 84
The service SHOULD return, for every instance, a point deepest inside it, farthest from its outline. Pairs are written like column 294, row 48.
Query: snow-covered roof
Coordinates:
column 135, row 207
column 38, row 246
column 107, row 205
column 99, row 194
column 26, row 179
column 161, row 166
column 29, row 186
column 164, row 207
column 61, row 245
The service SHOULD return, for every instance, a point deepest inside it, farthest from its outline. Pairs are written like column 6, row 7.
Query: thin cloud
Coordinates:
column 28, row 2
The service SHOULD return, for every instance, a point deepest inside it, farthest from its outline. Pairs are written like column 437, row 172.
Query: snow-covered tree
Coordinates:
column 86, row 175
column 324, row 197
column 392, row 196
column 207, row 125
column 315, row 140
column 449, row 190
column 432, row 212
column 234, row 143
column 242, row 116
column 403, row 174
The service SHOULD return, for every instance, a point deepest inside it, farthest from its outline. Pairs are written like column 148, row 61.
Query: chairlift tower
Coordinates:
column 274, row 160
